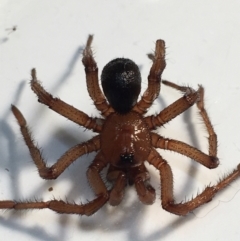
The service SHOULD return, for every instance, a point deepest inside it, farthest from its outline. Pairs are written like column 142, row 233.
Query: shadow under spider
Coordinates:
column 127, row 213
column 61, row 233
column 14, row 163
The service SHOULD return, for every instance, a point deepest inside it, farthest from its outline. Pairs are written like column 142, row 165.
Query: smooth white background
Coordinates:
column 203, row 47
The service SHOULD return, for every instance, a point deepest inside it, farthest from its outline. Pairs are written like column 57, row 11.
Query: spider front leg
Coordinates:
column 91, row 71
column 154, row 78
column 63, row 162
column 183, row 208
column 63, row 108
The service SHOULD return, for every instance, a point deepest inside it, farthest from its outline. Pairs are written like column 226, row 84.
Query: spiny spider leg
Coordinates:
column 119, row 178
column 139, row 176
column 212, row 139
column 173, row 110
column 146, row 193
column 63, row 108
column 154, row 78
column 167, row 197
column 177, row 108
column 184, row 149
column 64, row 161
column 91, row 71
column 60, row 206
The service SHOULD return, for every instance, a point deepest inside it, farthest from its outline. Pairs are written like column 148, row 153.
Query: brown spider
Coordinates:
column 125, row 140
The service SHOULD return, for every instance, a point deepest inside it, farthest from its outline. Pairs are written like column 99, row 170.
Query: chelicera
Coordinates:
column 125, row 139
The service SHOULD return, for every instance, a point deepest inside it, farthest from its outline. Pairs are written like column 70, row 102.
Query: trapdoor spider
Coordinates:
column 124, row 140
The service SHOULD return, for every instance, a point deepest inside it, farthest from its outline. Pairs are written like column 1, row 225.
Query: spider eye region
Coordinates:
column 121, row 82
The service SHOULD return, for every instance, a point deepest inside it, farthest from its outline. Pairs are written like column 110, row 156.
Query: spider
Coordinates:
column 125, row 139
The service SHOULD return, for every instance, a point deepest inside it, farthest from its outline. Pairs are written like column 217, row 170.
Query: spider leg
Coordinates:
column 176, row 108
column 91, row 71
column 58, row 206
column 212, row 139
column 94, row 177
column 145, row 191
column 138, row 176
column 64, row 161
column 63, row 108
column 168, row 202
column 119, row 178
column 184, row 149
column 154, row 78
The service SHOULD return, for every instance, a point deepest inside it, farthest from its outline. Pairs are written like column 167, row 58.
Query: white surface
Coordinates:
column 202, row 39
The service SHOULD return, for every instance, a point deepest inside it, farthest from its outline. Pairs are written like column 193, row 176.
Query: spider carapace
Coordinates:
column 125, row 139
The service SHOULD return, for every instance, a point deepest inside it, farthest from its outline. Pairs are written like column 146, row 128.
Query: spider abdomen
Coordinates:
column 121, row 82
column 125, row 139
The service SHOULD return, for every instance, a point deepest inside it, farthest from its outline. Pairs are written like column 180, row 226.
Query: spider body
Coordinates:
column 124, row 139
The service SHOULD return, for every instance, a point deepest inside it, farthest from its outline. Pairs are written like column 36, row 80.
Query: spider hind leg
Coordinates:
column 167, row 196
